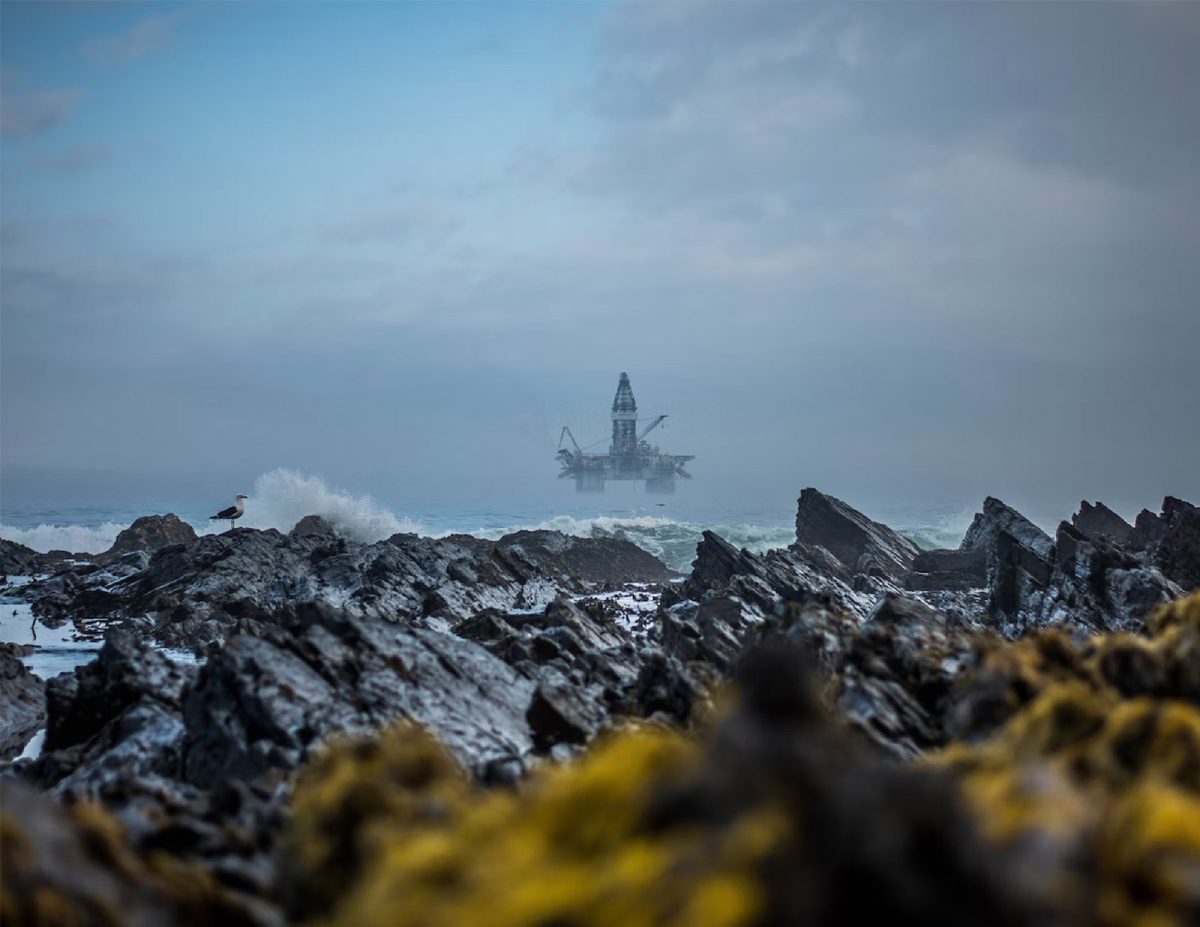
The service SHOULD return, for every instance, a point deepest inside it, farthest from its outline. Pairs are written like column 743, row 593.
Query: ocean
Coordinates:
column 668, row 527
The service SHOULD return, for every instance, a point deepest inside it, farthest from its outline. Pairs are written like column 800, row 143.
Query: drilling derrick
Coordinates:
column 629, row 457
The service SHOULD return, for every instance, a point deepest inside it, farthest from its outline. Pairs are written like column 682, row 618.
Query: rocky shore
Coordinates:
column 549, row 729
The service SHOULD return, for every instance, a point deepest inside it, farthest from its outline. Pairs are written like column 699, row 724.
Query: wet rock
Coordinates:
column 759, row 581
column 561, row 713
column 22, row 702
column 998, row 520
column 773, row 817
column 18, row 560
column 266, row 701
column 588, row 668
column 1097, row 585
column 957, row 570
column 1171, row 541
column 859, row 543
column 891, row 677
column 197, row 592
column 75, row 865
column 1098, row 520
column 149, row 533
column 114, row 718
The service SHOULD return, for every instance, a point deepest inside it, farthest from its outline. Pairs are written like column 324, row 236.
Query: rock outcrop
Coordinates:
column 22, row 702
column 186, row 595
column 17, row 559
column 772, row 817
column 1171, row 540
column 149, row 533
column 1099, row 521
column 859, row 544
column 1082, row 578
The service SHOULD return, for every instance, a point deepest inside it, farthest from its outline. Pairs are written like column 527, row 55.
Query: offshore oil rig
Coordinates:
column 630, row 456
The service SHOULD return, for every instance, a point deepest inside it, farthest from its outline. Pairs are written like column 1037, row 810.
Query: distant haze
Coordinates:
column 917, row 252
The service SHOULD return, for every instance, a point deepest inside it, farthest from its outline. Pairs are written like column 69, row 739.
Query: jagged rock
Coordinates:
column 114, row 718
column 17, row 559
column 1083, row 580
column 890, row 677
column 578, row 647
column 948, row 569
column 313, row 525
column 1171, row 540
column 773, row 817
column 1100, row 521
column 149, row 533
column 1019, row 561
column 760, row 580
column 997, row 520
column 263, row 702
column 196, row 592
column 22, row 702
column 76, row 865
column 860, row 544
column 562, row 713
column 1098, row 586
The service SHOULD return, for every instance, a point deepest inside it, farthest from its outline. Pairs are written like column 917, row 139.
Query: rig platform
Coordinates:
column 629, row 457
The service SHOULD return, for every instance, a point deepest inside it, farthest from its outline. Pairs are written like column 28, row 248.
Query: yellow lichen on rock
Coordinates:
column 1104, row 760
column 573, row 846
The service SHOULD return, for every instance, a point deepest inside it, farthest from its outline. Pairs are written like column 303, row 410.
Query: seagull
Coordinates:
column 233, row 513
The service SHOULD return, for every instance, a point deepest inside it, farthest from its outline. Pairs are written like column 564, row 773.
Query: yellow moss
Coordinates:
column 573, row 847
column 1150, row 857
column 1061, row 718
column 1105, row 759
column 1182, row 613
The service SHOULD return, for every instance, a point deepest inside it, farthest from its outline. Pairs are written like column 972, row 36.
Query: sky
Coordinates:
column 907, row 252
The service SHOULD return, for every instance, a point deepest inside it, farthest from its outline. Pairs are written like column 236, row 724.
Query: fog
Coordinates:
column 917, row 253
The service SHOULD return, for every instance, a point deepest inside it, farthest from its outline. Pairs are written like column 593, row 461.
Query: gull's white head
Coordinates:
column 240, row 498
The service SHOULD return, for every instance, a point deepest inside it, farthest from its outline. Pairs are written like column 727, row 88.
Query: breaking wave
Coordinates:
column 78, row 539
column 282, row 497
column 673, row 542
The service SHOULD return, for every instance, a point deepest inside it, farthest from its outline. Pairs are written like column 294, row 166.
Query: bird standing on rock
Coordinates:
column 233, row 513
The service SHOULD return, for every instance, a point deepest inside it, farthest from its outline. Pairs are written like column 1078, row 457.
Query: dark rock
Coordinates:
column 856, row 541
column 75, row 865
column 1019, row 561
column 112, row 719
column 609, row 672
column 313, row 526
column 197, row 592
column 18, row 560
column 997, row 520
column 149, row 533
column 22, row 702
column 1171, row 541
column 1099, row 520
column 948, row 569
column 266, row 702
column 561, row 713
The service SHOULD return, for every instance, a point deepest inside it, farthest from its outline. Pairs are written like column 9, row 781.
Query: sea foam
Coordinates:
column 78, row 539
column 282, row 497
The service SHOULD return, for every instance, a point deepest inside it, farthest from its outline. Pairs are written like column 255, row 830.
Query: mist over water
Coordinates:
column 281, row 497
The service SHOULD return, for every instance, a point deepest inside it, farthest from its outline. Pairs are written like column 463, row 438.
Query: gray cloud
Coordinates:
column 149, row 35
column 898, row 251
column 414, row 219
column 30, row 112
column 72, row 159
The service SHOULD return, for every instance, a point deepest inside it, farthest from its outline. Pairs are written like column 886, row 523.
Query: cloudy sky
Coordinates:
column 903, row 251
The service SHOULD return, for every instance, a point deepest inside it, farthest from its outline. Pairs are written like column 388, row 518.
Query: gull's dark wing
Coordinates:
column 225, row 513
